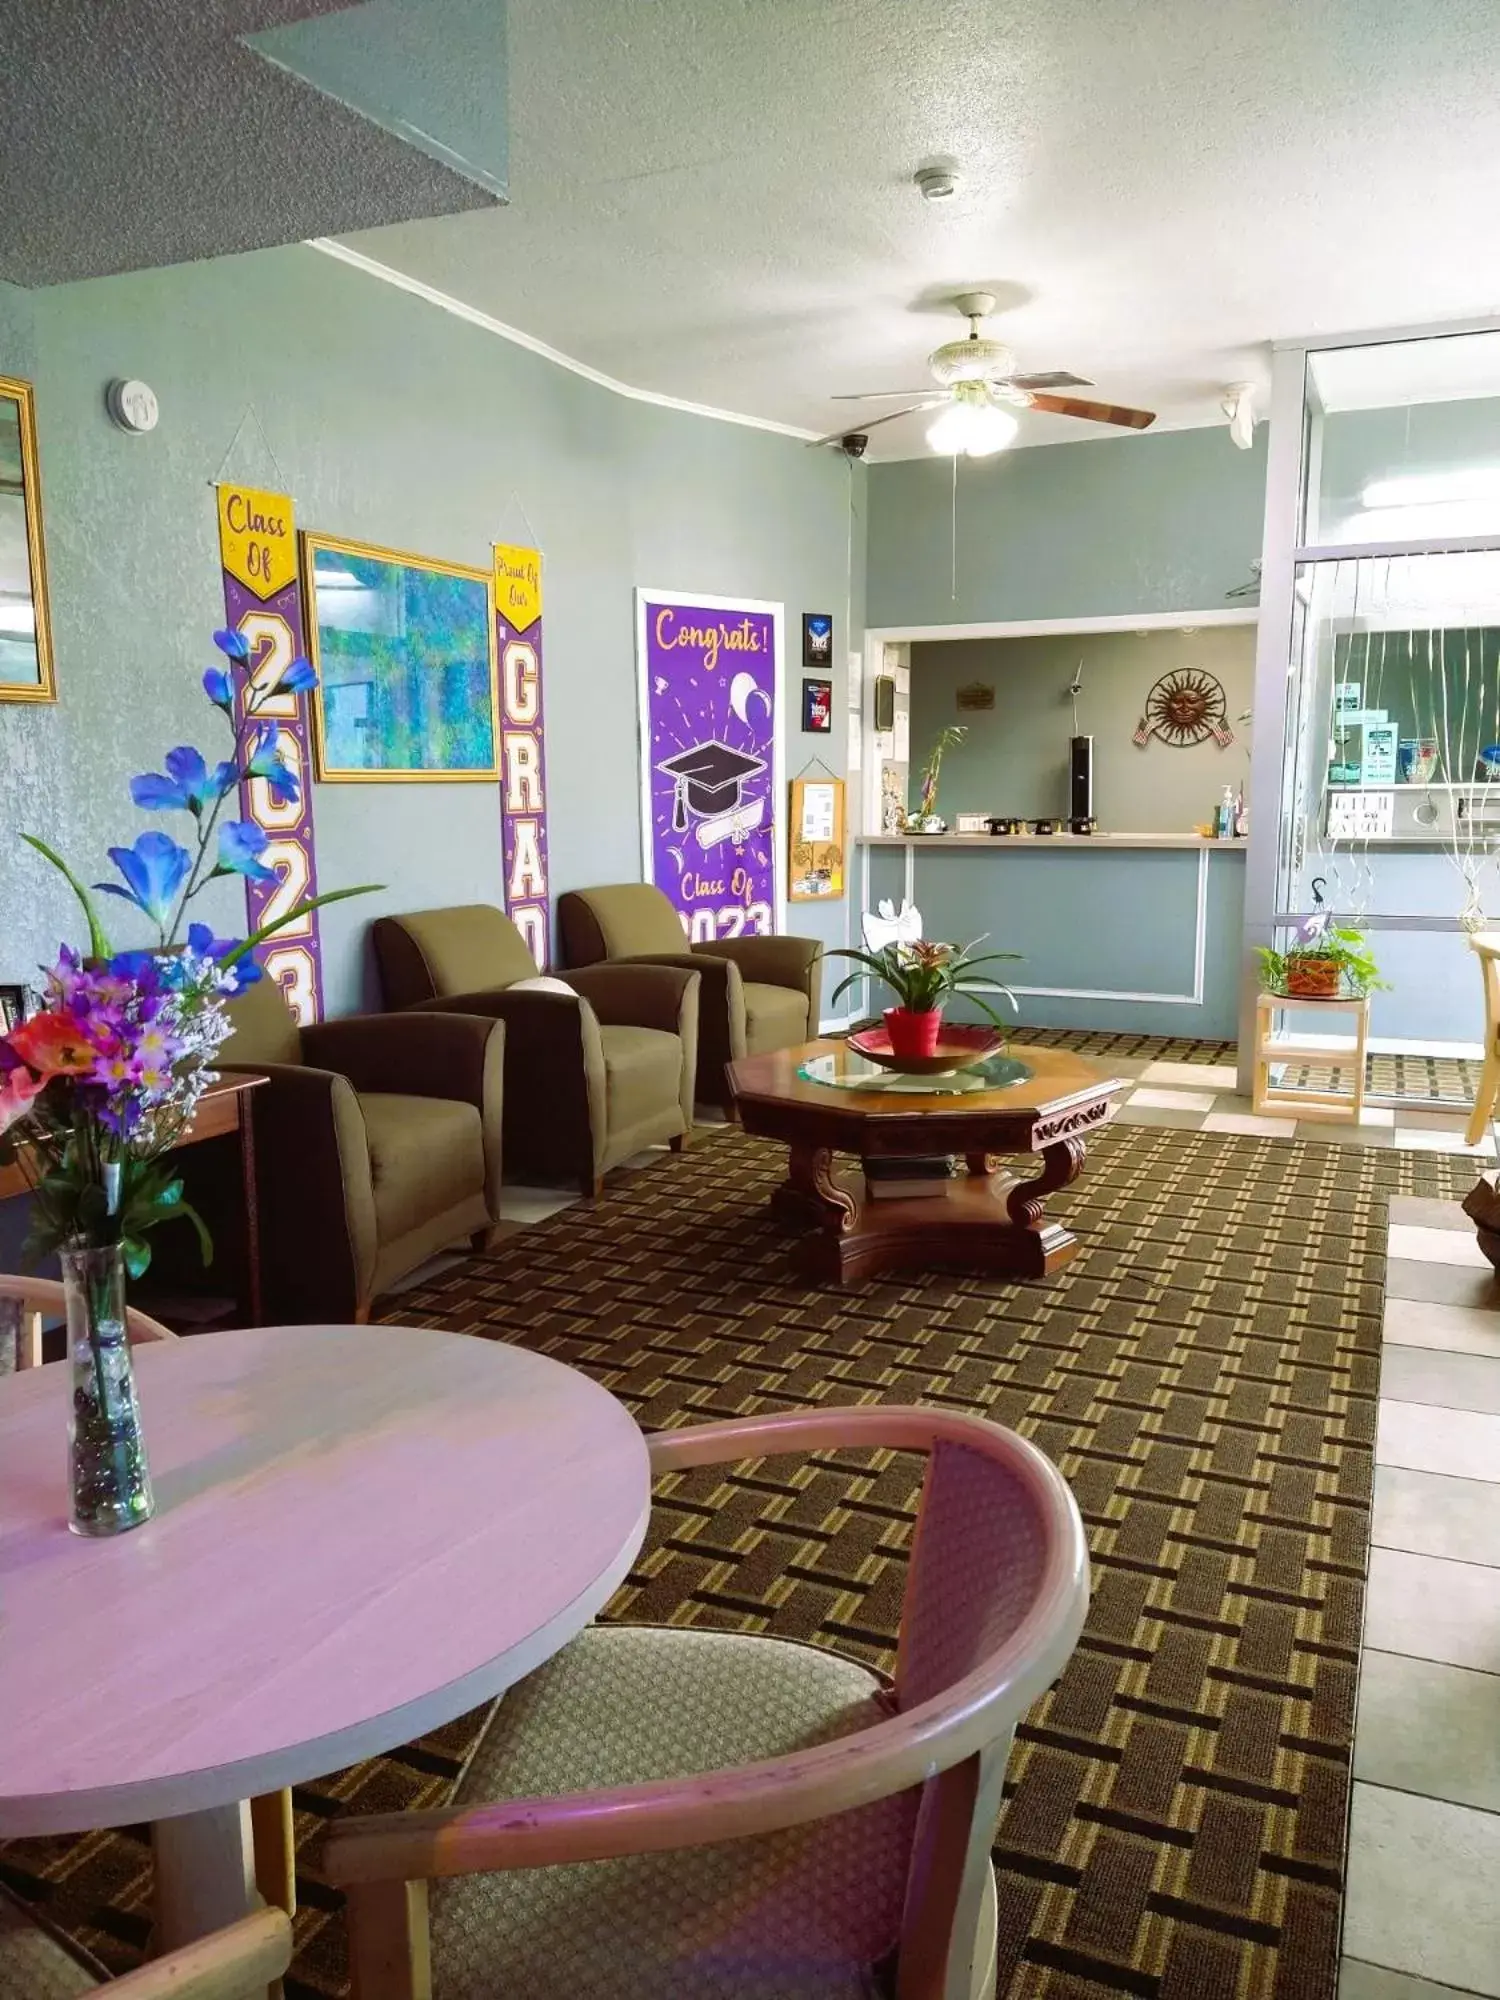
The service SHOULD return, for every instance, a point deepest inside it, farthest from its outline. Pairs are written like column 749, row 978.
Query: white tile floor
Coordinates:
column 1422, row 1915
column 1201, row 1097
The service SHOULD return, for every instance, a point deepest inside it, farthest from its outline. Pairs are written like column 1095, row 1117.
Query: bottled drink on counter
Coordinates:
column 1241, row 817
column 1224, row 819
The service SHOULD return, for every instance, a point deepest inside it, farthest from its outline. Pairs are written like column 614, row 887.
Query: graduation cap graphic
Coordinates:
column 708, row 779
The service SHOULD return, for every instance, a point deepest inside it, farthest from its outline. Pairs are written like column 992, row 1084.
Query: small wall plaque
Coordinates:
column 974, row 697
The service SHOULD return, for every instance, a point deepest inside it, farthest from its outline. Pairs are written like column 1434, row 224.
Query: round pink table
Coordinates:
column 361, row 1532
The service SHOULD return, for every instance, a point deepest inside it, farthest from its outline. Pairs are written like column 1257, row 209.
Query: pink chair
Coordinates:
column 746, row 1815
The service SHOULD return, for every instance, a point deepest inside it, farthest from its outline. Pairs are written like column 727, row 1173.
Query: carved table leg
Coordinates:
column 1062, row 1163
column 982, row 1165
column 810, row 1193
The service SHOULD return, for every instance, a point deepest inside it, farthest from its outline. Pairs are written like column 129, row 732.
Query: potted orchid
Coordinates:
column 924, row 975
column 98, row 1086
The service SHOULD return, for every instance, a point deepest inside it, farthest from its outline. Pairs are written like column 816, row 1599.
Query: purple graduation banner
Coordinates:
column 258, row 554
column 710, row 687
column 523, row 762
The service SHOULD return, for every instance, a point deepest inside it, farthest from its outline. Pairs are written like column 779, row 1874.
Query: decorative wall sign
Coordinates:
column 405, row 653
column 975, row 697
column 816, row 836
column 817, row 639
column 25, row 627
column 1184, row 707
column 817, row 707
column 710, row 693
column 258, row 554
column 523, row 761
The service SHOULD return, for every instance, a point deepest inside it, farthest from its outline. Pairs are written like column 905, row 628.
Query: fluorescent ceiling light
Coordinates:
column 1433, row 489
column 974, row 429
column 18, row 618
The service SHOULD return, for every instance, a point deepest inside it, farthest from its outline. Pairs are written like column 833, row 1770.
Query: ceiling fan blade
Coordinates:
column 833, row 437
column 1056, row 378
column 1094, row 413
column 883, row 395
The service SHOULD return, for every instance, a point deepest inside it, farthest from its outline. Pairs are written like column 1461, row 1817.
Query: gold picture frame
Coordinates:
column 365, row 609
column 815, row 840
column 25, row 617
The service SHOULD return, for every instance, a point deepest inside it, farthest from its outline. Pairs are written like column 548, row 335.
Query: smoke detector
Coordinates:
column 937, row 183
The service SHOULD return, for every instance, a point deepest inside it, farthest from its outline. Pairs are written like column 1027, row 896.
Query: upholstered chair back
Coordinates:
column 265, row 1028
column 625, row 920
column 432, row 954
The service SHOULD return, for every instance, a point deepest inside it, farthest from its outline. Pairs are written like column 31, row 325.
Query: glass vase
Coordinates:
column 109, row 1476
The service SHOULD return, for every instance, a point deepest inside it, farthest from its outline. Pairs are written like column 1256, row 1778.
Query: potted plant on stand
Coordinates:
column 1323, row 962
column 924, row 975
column 99, row 1085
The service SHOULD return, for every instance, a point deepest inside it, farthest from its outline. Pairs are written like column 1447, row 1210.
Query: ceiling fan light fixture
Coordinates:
column 972, row 430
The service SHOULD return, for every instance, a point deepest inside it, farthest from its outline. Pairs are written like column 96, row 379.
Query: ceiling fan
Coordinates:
column 977, row 391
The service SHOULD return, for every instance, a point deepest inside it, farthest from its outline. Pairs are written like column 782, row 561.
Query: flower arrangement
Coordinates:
column 1321, row 963
column 924, row 975
column 101, row 1083
column 953, row 733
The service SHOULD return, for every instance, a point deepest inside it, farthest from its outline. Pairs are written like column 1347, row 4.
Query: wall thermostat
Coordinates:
column 132, row 405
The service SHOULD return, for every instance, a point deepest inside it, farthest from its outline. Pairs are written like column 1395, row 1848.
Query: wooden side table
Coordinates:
column 1276, row 1102
column 223, row 1110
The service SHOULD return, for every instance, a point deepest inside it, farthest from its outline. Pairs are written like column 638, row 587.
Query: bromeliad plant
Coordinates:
column 97, row 1087
column 924, row 976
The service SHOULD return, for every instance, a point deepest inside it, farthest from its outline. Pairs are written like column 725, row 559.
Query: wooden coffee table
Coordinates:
column 822, row 1099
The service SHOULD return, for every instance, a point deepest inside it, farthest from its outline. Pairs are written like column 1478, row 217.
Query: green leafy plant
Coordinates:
column 1338, row 959
column 925, row 975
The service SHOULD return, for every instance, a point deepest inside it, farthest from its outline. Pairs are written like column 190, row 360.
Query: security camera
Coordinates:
column 855, row 444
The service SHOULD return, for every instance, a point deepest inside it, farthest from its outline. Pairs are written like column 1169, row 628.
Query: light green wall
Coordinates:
column 1140, row 523
column 394, row 422
column 1015, row 756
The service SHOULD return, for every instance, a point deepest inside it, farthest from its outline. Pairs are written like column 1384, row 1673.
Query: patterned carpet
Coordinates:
column 1205, row 1374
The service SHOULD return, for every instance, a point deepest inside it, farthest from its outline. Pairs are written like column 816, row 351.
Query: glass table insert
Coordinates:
column 842, row 1069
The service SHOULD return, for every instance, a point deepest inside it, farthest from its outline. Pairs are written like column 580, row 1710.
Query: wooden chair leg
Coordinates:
column 680, row 1143
column 1484, row 1100
column 389, row 1957
column 275, row 1849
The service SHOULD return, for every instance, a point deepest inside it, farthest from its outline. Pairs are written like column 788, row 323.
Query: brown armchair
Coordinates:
column 759, row 993
column 593, row 1074
column 377, row 1144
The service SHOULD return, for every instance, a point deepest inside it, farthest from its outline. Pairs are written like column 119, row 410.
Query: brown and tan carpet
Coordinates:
column 1205, row 1373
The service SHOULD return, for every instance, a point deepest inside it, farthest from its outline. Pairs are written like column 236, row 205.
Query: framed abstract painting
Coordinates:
column 404, row 649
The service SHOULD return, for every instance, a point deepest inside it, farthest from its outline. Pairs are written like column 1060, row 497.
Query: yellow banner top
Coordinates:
column 256, row 541
column 518, row 585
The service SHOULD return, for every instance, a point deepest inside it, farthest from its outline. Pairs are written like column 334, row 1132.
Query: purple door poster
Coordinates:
column 710, row 687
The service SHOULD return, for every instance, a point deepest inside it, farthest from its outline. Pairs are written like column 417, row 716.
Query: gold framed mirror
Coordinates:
column 25, row 629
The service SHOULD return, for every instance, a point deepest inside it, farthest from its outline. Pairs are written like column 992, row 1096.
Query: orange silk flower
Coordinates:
column 53, row 1045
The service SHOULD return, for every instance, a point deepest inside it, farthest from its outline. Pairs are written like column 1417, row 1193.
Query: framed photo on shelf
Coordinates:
column 404, row 649
column 14, row 1002
column 817, row 639
column 817, row 707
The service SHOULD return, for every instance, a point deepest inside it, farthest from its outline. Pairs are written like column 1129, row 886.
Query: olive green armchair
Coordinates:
column 599, row 1064
column 759, row 993
column 377, row 1144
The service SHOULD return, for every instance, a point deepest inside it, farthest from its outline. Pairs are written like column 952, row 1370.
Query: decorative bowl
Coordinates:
column 958, row 1047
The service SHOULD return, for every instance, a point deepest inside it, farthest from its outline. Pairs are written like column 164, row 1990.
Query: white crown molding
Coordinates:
column 445, row 301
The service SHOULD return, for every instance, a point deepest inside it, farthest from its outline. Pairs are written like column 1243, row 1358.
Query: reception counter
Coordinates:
column 1140, row 931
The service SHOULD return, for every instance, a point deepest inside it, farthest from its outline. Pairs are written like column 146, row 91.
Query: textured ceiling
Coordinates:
column 712, row 198
column 141, row 132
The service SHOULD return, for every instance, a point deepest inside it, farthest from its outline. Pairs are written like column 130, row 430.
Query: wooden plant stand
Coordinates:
column 1270, row 1100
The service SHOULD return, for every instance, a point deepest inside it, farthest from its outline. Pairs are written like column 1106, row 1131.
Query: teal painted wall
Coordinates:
column 1140, row 523
column 1097, row 920
column 17, row 331
column 393, row 422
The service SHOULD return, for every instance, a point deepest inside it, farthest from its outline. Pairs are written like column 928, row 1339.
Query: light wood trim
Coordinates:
column 961, row 1721
column 945, row 1893
column 48, row 1292
column 389, row 1952
column 275, row 1844
column 1486, row 947
column 224, row 1966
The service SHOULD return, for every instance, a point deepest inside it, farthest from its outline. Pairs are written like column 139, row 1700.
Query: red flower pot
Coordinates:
column 913, row 1034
